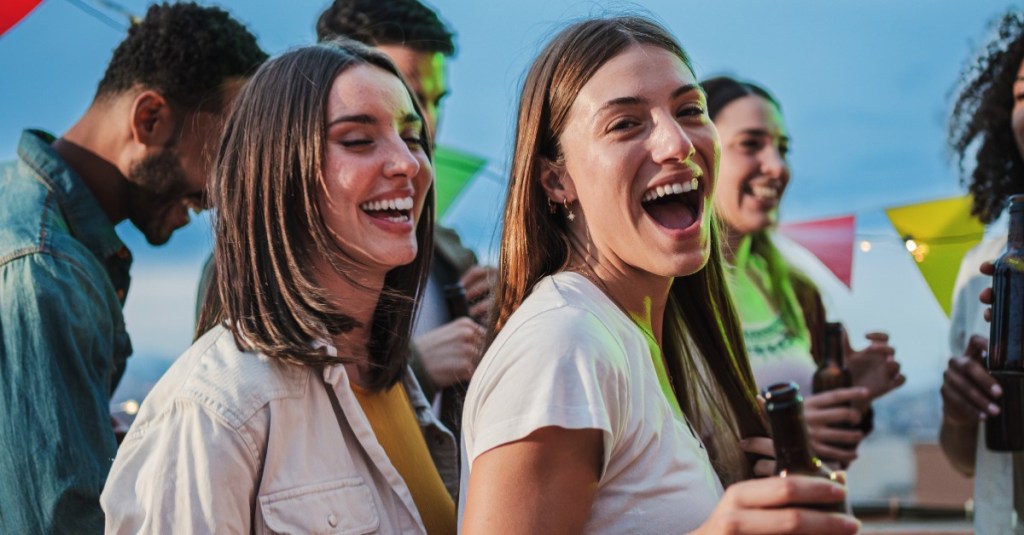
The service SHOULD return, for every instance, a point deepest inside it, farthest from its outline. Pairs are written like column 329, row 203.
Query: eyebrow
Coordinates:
column 763, row 132
column 362, row 118
column 633, row 100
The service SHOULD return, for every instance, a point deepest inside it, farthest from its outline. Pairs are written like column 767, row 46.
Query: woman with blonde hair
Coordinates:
column 615, row 348
column 297, row 412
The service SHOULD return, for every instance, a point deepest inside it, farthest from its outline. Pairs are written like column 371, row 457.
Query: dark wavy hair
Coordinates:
column 183, row 51
column 981, row 119
column 270, row 228
column 387, row 22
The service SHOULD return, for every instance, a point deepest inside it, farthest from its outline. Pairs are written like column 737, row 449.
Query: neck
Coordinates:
column 732, row 240
column 640, row 295
column 92, row 148
column 357, row 295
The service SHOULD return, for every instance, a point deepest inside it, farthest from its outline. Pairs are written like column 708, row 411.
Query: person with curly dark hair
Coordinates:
column 986, row 135
column 141, row 151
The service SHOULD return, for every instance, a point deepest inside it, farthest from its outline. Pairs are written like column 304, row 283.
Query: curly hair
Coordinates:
column 982, row 119
column 390, row 22
column 183, row 51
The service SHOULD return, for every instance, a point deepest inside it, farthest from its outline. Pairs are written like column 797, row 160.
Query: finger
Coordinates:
column 832, row 453
column 988, row 314
column 983, row 381
column 832, row 416
column 792, row 520
column 987, row 268
column 839, row 396
column 835, row 435
column 780, row 492
column 977, row 347
column 958, row 408
column 877, row 336
column 481, row 309
column 764, row 468
column 986, row 296
column 759, row 446
column 960, row 390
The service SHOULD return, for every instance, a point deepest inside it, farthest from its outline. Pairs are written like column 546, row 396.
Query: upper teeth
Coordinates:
column 671, row 189
column 405, row 203
column 765, row 192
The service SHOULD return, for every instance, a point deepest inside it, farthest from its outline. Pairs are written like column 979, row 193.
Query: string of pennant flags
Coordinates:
column 937, row 234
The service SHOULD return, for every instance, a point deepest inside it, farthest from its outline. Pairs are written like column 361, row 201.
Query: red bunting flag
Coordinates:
column 831, row 240
column 12, row 11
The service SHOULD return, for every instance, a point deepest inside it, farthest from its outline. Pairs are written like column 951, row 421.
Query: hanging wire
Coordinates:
column 103, row 17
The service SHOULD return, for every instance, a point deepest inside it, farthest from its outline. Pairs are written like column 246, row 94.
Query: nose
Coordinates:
column 401, row 162
column 774, row 164
column 670, row 142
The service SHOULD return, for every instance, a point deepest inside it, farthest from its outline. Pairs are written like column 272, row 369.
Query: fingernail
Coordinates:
column 851, row 524
column 997, row 390
column 993, row 409
column 982, row 416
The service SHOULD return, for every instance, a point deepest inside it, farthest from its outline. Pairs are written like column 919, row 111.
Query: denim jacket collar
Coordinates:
column 85, row 218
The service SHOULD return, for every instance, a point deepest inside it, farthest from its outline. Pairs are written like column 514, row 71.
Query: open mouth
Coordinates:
column 393, row 210
column 676, row 205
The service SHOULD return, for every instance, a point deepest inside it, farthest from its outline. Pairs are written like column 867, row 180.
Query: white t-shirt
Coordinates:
column 993, row 471
column 569, row 357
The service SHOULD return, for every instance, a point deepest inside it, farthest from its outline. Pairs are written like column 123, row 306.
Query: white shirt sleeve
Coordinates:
column 185, row 471
column 560, row 368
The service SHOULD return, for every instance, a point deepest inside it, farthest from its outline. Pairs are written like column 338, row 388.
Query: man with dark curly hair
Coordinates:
column 986, row 135
column 141, row 151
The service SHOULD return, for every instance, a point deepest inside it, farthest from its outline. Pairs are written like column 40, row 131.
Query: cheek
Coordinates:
column 1017, row 123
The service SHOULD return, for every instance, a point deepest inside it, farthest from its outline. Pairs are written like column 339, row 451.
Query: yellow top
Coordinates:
column 393, row 422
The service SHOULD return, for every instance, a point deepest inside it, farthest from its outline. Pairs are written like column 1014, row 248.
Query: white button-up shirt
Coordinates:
column 237, row 442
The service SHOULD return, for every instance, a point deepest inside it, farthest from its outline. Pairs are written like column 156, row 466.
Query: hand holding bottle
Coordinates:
column 777, row 505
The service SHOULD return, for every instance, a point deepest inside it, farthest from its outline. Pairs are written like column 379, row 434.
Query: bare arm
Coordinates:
column 544, row 483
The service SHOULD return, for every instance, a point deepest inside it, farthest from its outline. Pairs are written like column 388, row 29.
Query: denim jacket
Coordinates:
column 63, row 344
column 233, row 441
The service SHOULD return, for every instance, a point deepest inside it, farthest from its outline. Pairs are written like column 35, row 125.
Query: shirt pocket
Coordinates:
column 343, row 506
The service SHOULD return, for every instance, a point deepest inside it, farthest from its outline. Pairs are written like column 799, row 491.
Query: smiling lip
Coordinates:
column 392, row 212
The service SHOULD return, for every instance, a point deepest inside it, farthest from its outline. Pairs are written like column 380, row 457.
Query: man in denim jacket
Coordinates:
column 141, row 151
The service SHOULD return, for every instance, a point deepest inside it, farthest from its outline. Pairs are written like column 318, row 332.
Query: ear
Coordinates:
column 153, row 121
column 556, row 182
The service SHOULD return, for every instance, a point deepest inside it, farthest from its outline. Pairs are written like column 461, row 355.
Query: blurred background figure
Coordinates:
column 780, row 309
column 986, row 135
column 140, row 152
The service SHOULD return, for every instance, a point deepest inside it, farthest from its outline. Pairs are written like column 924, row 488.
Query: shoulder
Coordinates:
column 232, row 385
column 563, row 313
column 27, row 212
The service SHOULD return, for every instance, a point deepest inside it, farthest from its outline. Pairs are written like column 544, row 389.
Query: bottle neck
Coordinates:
column 792, row 445
column 833, row 345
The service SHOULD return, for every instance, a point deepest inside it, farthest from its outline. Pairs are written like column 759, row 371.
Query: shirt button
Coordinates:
column 332, row 520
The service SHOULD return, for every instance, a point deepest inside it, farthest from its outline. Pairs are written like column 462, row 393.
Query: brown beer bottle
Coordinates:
column 832, row 372
column 793, row 455
column 1005, row 431
column 453, row 396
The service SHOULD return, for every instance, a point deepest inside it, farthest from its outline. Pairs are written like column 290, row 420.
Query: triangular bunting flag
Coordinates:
column 12, row 11
column 453, row 170
column 831, row 240
column 938, row 234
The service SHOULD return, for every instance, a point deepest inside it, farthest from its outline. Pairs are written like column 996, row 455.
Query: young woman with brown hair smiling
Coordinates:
column 615, row 347
column 297, row 413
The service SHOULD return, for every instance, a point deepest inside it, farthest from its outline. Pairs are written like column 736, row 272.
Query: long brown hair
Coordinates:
column 270, row 230
column 704, row 348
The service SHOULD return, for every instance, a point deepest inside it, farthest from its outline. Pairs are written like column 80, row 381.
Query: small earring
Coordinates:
column 568, row 211
column 552, row 207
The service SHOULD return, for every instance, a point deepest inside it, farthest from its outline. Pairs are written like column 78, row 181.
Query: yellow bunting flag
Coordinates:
column 938, row 234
